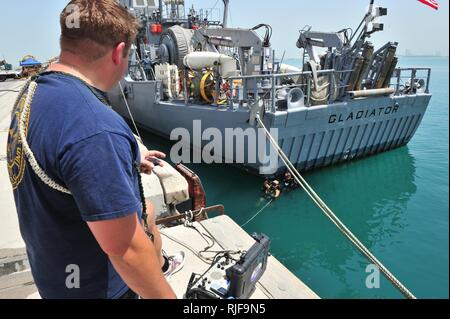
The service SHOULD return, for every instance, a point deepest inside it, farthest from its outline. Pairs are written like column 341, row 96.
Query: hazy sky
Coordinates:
column 32, row 27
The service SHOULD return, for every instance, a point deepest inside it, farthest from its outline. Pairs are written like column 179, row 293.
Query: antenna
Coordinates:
column 369, row 18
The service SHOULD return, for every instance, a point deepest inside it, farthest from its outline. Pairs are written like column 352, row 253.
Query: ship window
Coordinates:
column 151, row 3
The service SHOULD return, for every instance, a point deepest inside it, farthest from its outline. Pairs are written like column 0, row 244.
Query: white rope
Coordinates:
column 22, row 91
column 32, row 86
column 22, row 123
column 260, row 211
column 334, row 219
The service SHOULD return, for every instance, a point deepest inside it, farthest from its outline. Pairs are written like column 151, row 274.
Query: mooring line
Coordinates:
column 334, row 219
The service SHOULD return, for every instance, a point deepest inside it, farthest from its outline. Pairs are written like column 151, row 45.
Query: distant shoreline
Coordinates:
column 422, row 56
column 399, row 55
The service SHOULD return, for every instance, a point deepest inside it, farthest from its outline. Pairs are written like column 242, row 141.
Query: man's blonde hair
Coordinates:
column 91, row 28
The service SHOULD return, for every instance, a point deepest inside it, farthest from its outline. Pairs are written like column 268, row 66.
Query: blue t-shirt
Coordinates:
column 86, row 147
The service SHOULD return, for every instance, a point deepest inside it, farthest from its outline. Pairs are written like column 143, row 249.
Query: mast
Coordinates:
column 225, row 13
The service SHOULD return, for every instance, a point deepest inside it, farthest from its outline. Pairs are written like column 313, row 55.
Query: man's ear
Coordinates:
column 118, row 53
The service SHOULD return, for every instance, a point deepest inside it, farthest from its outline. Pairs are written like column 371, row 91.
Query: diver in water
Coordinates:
column 271, row 189
column 289, row 183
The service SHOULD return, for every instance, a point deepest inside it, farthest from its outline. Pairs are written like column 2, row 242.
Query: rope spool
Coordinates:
column 207, row 84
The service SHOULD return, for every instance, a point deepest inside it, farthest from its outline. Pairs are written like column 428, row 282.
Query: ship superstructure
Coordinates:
column 192, row 72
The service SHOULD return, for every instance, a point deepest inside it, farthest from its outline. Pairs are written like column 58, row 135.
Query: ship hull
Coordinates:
column 311, row 137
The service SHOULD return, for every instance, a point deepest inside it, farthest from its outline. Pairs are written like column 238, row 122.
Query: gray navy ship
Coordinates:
column 192, row 73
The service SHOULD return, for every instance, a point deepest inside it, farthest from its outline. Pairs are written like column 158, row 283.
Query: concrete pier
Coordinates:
column 277, row 281
column 9, row 227
column 15, row 277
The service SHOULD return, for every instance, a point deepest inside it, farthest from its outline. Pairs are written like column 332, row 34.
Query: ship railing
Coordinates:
column 410, row 81
column 251, row 86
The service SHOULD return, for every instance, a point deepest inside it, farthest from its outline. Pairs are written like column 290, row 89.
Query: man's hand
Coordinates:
column 148, row 158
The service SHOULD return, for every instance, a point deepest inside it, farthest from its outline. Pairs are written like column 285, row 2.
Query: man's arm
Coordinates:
column 107, row 201
column 133, row 256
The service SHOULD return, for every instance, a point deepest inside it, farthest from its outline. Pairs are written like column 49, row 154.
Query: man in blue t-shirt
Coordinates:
column 87, row 242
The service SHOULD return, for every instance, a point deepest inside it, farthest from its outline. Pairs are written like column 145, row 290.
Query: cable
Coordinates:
column 268, row 34
column 229, row 13
column 198, row 254
column 346, row 36
column 129, row 112
column 281, row 61
column 210, row 245
column 267, row 292
column 215, row 5
column 260, row 211
column 215, row 260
